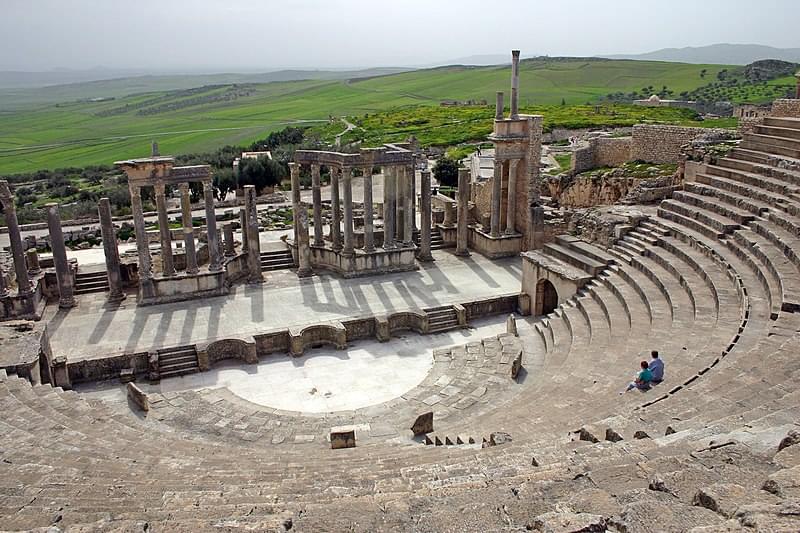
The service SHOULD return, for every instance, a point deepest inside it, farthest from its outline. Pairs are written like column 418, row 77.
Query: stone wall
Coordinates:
column 589, row 191
column 601, row 152
column 786, row 107
column 662, row 144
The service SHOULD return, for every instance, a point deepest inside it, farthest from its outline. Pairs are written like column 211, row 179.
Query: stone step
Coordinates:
column 631, row 246
column 574, row 258
column 770, row 169
column 772, row 145
column 778, row 131
column 718, row 224
column 747, row 203
column 589, row 250
column 782, row 122
column 737, row 215
column 87, row 276
column 757, row 180
column 773, row 140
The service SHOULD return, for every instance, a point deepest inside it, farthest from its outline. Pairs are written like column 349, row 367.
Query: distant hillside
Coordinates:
column 730, row 54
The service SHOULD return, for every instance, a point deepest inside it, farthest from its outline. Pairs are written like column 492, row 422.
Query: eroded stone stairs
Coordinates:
column 177, row 361
column 441, row 319
column 276, row 260
column 90, row 282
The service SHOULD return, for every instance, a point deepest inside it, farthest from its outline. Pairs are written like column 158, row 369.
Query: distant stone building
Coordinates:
column 655, row 101
column 751, row 111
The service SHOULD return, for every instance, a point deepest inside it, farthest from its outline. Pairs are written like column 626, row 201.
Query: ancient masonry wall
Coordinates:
column 661, row 144
column 786, row 108
column 602, row 152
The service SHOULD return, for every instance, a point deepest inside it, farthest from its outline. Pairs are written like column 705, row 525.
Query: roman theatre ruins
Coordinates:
column 403, row 360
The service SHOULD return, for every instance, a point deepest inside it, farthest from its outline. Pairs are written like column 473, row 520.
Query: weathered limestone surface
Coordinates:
column 110, row 250
column 64, row 275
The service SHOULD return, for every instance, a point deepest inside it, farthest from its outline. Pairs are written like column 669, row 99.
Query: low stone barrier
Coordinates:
column 408, row 320
column 138, row 397
column 317, row 335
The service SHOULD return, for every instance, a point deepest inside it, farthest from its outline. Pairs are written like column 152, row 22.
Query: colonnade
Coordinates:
column 498, row 226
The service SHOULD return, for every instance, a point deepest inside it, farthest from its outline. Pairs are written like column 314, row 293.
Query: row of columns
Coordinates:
column 167, row 263
column 399, row 208
column 497, row 197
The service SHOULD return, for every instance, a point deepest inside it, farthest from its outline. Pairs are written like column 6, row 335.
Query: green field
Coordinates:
column 79, row 133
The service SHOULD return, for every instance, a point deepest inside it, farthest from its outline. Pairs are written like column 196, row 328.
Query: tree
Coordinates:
column 446, row 171
column 563, row 102
column 262, row 172
column 224, row 182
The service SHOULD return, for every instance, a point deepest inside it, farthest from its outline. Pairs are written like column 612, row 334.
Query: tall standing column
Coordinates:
column 167, row 265
column 515, row 84
column 188, row 229
column 110, row 250
column 400, row 203
column 408, row 226
column 389, row 207
column 369, row 236
column 253, row 243
column 212, row 236
column 316, row 192
column 294, row 174
column 462, row 232
column 511, row 209
column 347, row 182
column 424, row 252
column 243, row 225
column 413, row 197
column 66, row 283
column 497, row 191
column 336, row 220
column 142, row 242
column 17, row 249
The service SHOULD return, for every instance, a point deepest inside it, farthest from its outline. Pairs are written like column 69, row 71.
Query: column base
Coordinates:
column 425, row 258
column 116, row 296
column 463, row 253
column 66, row 303
column 305, row 273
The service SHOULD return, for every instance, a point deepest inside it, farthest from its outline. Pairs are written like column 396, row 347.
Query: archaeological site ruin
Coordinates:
column 401, row 356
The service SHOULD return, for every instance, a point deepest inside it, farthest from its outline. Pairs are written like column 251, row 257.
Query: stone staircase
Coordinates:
column 90, row 282
column 436, row 239
column 178, row 361
column 276, row 260
column 441, row 319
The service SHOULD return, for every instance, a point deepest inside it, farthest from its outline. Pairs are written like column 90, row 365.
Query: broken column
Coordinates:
column 511, row 208
column 253, row 244
column 66, row 283
column 17, row 249
column 212, row 237
column 347, row 182
column 142, row 242
column 336, row 220
column 497, row 189
column 514, row 84
column 188, row 229
column 449, row 214
column 424, row 252
column 316, row 191
column 32, row 259
column 3, row 286
column 499, row 105
column 389, row 207
column 294, row 176
column 110, row 250
column 243, row 226
column 167, row 265
column 400, row 204
column 462, row 232
column 369, row 237
column 230, row 246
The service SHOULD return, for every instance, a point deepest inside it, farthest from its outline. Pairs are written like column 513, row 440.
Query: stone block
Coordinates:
column 138, row 397
column 343, row 438
column 511, row 326
column 126, row 375
column 423, row 424
column 382, row 331
column 516, row 364
column 61, row 373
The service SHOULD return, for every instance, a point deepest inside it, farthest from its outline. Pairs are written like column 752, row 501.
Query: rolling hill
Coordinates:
column 77, row 133
column 734, row 54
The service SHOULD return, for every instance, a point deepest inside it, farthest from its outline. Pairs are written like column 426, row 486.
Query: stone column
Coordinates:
column 294, row 175
column 230, row 247
column 408, row 213
column 253, row 243
column 389, row 207
column 414, row 197
column 303, row 249
column 167, row 265
column 212, row 236
column 462, row 232
column 316, row 191
column 336, row 219
column 347, row 179
column 499, row 106
column 188, row 229
column 424, row 252
column 497, row 191
column 3, row 286
column 511, row 209
column 142, row 243
column 243, row 226
column 534, row 157
column 110, row 250
column 449, row 214
column 66, row 283
column 369, row 236
column 17, row 249
column 514, row 84
column 400, row 204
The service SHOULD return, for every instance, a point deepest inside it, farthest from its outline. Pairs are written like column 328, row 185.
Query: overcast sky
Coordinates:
column 259, row 34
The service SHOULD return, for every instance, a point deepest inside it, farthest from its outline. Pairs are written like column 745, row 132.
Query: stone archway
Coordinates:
column 546, row 298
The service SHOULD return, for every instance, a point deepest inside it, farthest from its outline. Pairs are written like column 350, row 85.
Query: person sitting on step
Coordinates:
column 656, row 367
column 642, row 380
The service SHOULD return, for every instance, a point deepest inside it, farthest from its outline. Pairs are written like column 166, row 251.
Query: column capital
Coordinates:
column 184, row 187
column 159, row 188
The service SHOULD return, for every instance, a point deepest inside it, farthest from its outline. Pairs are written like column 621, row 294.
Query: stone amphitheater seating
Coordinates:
column 711, row 282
